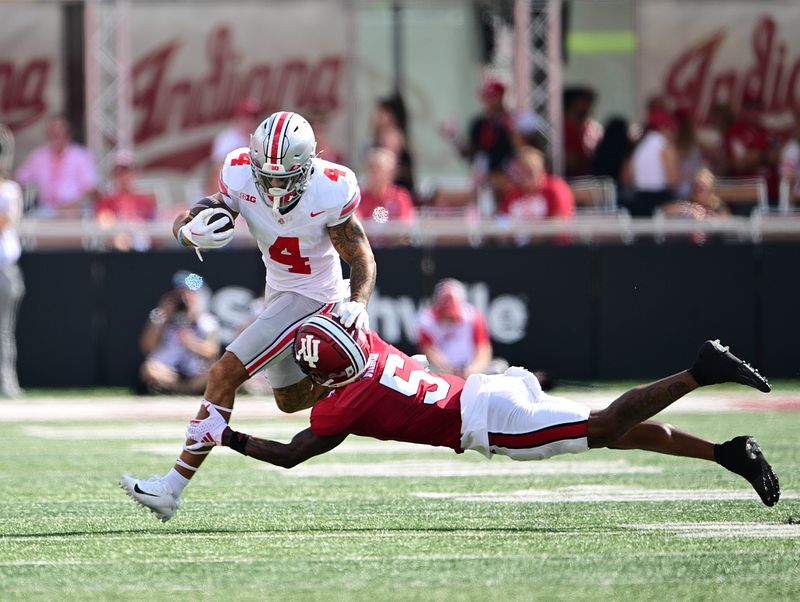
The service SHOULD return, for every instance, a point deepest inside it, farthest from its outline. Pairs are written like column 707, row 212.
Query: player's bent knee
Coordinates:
column 228, row 370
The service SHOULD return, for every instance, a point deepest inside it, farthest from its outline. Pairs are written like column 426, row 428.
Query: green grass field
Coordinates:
column 384, row 521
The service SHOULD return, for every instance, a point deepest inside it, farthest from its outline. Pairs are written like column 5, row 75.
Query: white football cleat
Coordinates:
column 154, row 493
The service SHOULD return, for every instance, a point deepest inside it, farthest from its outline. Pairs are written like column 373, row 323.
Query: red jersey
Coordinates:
column 553, row 198
column 396, row 399
column 396, row 200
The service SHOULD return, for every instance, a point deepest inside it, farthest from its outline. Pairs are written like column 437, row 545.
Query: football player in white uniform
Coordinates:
column 301, row 211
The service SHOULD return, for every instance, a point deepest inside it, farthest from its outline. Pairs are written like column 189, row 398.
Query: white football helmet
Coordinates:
column 281, row 151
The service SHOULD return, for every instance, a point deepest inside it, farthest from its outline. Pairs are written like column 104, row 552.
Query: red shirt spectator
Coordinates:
column 124, row 204
column 127, row 206
column 396, row 200
column 383, row 201
column 535, row 193
column 452, row 333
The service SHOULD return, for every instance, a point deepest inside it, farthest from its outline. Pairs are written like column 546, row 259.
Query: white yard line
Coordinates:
column 601, row 493
column 129, row 408
column 459, row 468
column 715, row 530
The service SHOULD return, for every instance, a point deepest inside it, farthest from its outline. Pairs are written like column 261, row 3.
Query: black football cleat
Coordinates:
column 743, row 456
column 716, row 364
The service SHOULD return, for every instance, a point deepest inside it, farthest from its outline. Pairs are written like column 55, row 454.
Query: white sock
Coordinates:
column 176, row 481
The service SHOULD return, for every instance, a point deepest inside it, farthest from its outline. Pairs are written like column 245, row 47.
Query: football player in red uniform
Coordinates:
column 378, row 391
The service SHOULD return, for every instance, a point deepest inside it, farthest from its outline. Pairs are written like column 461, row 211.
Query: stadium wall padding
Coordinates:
column 580, row 312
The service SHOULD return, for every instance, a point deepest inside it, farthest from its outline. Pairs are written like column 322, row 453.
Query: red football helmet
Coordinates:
column 329, row 353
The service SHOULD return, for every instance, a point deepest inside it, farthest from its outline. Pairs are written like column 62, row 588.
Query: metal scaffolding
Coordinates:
column 537, row 29
column 108, row 85
column 534, row 65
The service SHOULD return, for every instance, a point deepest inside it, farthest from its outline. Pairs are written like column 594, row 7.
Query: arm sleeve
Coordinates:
column 424, row 338
column 231, row 200
column 329, row 418
column 562, row 198
column 480, row 329
column 350, row 199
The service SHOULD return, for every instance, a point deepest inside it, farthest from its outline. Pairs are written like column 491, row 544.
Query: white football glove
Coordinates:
column 206, row 432
column 204, row 235
column 529, row 378
column 354, row 312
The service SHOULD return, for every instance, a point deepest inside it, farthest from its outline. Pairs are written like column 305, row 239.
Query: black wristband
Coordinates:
column 237, row 441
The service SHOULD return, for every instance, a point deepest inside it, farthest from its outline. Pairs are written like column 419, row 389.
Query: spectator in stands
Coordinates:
column 701, row 203
column 750, row 149
column 453, row 334
column 613, row 153
column 12, row 286
column 489, row 145
column 654, row 165
column 180, row 341
column 381, row 199
column 535, row 194
column 689, row 152
column 124, row 204
column 243, row 123
column 581, row 132
column 62, row 171
column 390, row 131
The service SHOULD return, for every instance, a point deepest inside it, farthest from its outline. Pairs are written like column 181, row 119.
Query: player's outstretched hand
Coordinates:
column 206, row 432
column 354, row 313
column 212, row 228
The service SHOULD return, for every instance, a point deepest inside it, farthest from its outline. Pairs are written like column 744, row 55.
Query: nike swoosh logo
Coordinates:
column 137, row 490
column 315, row 214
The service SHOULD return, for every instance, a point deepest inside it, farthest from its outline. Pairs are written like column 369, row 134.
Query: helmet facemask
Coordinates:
column 281, row 153
column 282, row 190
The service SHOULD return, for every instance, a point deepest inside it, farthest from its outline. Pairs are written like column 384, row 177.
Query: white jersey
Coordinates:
column 296, row 248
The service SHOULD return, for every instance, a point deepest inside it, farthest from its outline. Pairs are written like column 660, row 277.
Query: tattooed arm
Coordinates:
column 299, row 396
column 351, row 243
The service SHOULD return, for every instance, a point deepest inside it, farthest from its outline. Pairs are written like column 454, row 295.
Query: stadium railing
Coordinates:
column 465, row 229
column 743, row 194
column 594, row 194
